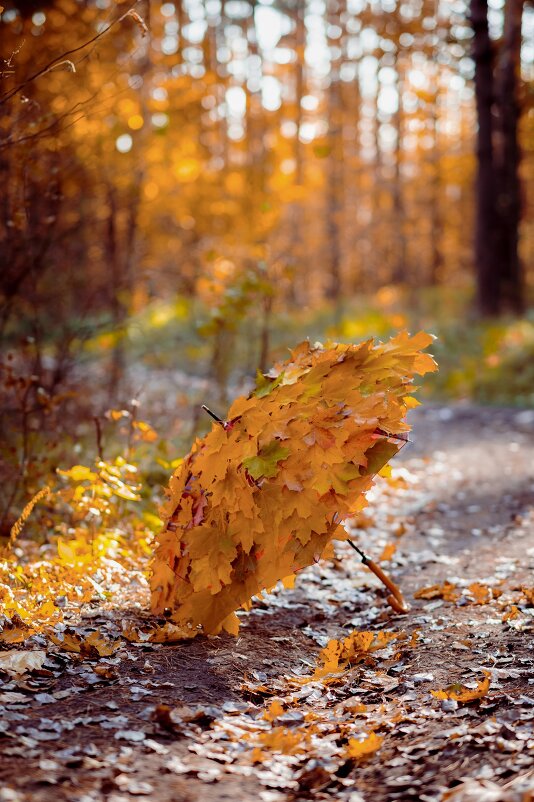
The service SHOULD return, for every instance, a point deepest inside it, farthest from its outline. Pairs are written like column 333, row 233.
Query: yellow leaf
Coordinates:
column 117, row 414
column 104, row 646
column 388, row 552
column 512, row 613
column 481, row 593
column 446, row 591
column 68, row 640
column 79, row 473
column 65, row 551
column 145, row 431
column 356, row 750
column 283, row 740
column 289, row 581
column 274, row 710
column 459, row 693
column 385, row 471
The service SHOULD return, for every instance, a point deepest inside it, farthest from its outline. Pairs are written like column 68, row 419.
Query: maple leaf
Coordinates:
column 15, row 630
column 261, row 497
column 459, row 693
column 266, row 462
column 93, row 645
column 337, row 655
column 356, row 750
column 17, row 662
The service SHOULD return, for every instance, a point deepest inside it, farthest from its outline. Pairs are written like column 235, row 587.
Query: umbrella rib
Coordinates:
column 212, row 414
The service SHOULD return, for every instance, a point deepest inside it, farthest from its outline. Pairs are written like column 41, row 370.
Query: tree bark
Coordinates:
column 498, row 190
column 508, row 199
column 400, row 266
column 486, row 218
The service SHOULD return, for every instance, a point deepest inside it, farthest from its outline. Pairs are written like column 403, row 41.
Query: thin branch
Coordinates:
column 98, row 431
column 64, row 56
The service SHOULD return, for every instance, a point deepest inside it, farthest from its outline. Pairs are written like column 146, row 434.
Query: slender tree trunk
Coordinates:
column 334, row 165
column 379, row 253
column 297, row 292
column 436, row 232
column 400, row 272
column 334, row 189
column 487, row 268
column 508, row 157
column 436, row 190
column 117, row 307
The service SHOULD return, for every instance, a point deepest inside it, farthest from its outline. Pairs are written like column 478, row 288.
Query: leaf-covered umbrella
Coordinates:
column 263, row 495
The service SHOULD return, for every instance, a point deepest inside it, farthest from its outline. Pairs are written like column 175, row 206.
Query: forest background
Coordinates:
column 189, row 188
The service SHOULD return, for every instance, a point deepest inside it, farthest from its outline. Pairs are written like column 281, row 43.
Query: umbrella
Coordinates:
column 263, row 494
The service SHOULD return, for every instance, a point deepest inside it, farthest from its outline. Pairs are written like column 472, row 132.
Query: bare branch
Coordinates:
column 63, row 58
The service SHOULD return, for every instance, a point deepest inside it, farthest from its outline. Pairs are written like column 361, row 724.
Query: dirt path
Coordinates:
column 462, row 511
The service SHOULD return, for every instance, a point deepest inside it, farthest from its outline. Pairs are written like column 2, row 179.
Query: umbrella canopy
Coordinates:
column 262, row 495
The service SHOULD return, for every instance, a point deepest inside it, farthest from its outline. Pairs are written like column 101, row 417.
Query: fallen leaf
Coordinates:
column 274, row 711
column 480, row 593
column 511, row 613
column 446, row 591
column 279, row 739
column 130, row 735
column 388, row 552
column 459, row 693
column 15, row 630
column 16, row 662
column 103, row 646
column 356, row 749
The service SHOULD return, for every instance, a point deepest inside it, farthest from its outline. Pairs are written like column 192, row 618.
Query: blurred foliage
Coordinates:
column 73, row 543
column 490, row 362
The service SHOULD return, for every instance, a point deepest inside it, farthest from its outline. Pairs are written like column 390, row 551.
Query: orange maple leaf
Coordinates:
column 356, row 749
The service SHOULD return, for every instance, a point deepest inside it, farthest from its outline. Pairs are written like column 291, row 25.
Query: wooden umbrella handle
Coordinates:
column 395, row 599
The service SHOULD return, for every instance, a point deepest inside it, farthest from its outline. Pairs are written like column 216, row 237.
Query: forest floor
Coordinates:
column 232, row 719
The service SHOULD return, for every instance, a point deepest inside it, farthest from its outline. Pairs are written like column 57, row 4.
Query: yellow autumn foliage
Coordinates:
column 262, row 496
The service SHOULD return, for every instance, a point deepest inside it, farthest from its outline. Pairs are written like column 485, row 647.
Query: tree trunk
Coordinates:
column 507, row 155
column 486, row 219
column 400, row 266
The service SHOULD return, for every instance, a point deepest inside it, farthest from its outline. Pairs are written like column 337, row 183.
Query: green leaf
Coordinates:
column 265, row 385
column 266, row 463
